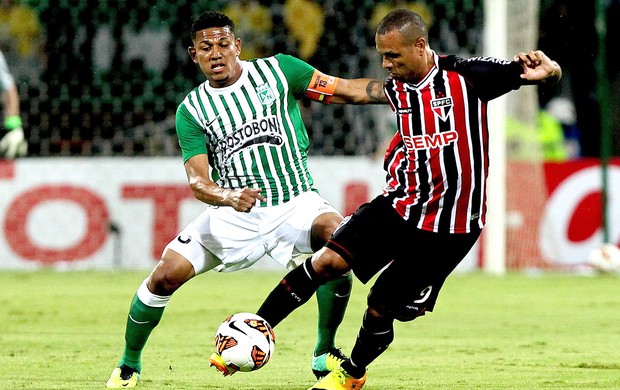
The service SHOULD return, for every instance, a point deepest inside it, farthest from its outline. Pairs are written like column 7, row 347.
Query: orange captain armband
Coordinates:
column 321, row 87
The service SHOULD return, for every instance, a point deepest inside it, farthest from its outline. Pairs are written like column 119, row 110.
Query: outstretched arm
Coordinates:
column 330, row 89
column 359, row 91
column 538, row 68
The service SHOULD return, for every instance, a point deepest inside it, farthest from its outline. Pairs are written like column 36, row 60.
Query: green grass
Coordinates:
column 65, row 331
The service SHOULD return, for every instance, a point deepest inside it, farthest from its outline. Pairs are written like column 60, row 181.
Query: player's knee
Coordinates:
column 162, row 283
column 322, row 229
column 329, row 265
column 169, row 275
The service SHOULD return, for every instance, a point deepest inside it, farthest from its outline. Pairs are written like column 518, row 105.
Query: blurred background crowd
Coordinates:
column 104, row 78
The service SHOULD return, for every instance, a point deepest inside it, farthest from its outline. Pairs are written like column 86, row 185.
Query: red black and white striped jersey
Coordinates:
column 437, row 162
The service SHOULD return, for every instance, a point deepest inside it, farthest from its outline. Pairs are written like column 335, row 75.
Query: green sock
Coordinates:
column 141, row 321
column 332, row 298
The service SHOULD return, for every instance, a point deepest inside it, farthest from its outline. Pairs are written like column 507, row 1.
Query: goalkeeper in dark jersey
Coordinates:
column 245, row 148
column 432, row 209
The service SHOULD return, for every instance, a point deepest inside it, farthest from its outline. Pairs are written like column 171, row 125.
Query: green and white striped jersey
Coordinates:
column 252, row 130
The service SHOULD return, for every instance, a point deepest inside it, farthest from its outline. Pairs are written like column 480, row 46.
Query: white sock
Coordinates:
column 150, row 299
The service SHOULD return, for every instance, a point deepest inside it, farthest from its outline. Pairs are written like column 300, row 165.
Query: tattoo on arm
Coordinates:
column 374, row 90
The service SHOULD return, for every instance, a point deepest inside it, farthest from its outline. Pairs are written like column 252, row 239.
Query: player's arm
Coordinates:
column 207, row 191
column 10, row 100
column 331, row 89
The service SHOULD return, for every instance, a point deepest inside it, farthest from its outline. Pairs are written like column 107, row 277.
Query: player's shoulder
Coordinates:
column 289, row 60
column 281, row 59
column 490, row 77
column 449, row 62
column 271, row 58
column 269, row 61
column 291, row 66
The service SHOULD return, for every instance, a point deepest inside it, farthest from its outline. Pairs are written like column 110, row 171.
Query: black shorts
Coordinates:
column 416, row 261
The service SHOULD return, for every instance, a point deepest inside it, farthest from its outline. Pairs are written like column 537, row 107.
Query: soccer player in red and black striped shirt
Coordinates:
column 432, row 208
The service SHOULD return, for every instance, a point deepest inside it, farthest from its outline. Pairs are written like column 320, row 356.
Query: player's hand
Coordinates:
column 243, row 200
column 13, row 144
column 538, row 67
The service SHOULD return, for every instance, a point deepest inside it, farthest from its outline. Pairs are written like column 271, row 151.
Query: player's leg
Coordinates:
column 405, row 290
column 299, row 285
column 147, row 307
column 183, row 258
column 375, row 335
column 367, row 242
column 145, row 312
column 332, row 299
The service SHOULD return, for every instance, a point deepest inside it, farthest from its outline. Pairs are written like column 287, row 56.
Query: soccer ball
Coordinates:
column 245, row 341
column 605, row 258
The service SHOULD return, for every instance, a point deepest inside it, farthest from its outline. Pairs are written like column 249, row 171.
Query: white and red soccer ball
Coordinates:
column 605, row 258
column 245, row 341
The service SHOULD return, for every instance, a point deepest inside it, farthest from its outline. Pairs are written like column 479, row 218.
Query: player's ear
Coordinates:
column 238, row 46
column 192, row 53
column 420, row 45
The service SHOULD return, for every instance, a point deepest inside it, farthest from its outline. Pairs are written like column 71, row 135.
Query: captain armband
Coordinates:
column 321, row 87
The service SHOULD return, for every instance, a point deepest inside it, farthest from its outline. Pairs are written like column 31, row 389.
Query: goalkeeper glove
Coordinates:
column 13, row 143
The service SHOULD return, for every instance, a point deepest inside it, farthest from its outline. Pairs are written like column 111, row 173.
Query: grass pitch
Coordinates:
column 65, row 331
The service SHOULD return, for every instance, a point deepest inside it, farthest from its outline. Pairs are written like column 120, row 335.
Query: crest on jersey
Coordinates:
column 265, row 94
column 442, row 107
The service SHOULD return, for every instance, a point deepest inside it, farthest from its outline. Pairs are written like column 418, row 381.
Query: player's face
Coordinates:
column 406, row 61
column 216, row 52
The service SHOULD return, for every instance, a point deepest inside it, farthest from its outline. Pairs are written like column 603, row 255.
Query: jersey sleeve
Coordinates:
column 306, row 80
column 489, row 77
column 297, row 72
column 191, row 136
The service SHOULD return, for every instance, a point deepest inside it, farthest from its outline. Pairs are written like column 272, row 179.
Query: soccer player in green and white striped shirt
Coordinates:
column 245, row 147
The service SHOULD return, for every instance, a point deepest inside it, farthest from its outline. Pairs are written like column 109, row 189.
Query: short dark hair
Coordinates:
column 210, row 19
column 409, row 23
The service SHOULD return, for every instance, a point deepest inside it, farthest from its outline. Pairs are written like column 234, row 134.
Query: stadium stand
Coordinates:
column 111, row 75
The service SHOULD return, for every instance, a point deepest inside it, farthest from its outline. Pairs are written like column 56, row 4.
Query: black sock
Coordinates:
column 293, row 291
column 374, row 337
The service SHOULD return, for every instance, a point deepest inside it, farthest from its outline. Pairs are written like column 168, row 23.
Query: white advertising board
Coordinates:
column 101, row 213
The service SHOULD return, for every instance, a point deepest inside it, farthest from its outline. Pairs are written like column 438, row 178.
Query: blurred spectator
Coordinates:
column 563, row 110
column 551, row 136
column 20, row 37
column 554, row 138
column 12, row 143
column 305, row 21
column 384, row 8
column 253, row 22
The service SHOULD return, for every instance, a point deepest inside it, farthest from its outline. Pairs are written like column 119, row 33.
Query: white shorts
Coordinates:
column 226, row 240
